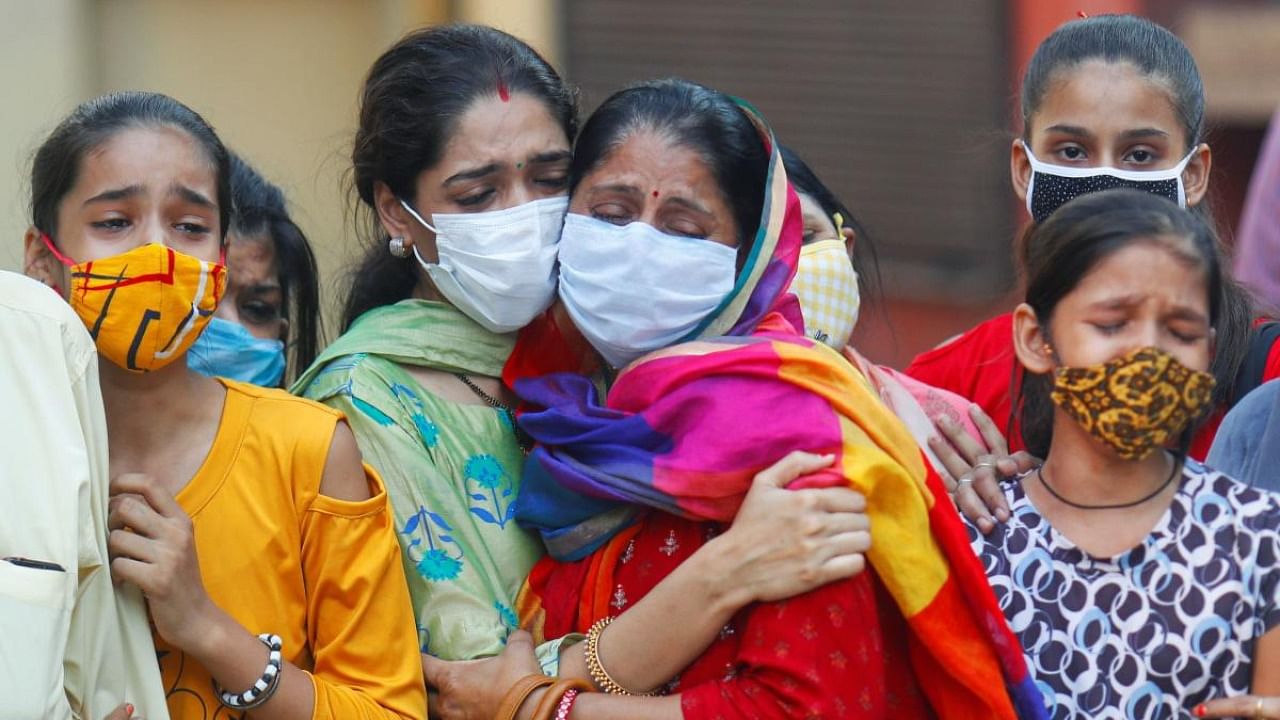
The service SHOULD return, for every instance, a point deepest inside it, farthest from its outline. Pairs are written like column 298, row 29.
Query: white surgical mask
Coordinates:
column 631, row 289
column 497, row 267
column 1053, row 186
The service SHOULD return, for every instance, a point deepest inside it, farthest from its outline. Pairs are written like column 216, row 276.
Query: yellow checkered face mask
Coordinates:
column 827, row 286
column 144, row 307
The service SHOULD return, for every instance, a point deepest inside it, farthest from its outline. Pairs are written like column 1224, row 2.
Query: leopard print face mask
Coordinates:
column 1134, row 403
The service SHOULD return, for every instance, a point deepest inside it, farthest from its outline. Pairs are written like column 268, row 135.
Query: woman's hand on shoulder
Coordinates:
column 973, row 472
column 785, row 543
column 344, row 477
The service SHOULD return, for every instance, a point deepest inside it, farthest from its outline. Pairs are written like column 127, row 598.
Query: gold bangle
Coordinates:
column 598, row 674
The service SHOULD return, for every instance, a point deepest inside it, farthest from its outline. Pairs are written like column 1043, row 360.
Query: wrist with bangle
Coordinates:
column 558, row 701
column 265, row 687
column 555, row 703
column 595, row 667
column 559, row 696
column 566, row 704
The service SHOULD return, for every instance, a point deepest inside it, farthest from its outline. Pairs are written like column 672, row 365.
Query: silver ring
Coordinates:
column 983, row 464
column 964, row 480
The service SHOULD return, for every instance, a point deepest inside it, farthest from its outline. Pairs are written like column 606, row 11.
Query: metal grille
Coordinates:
column 899, row 105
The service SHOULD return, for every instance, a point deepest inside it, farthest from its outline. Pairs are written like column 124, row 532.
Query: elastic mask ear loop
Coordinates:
column 418, row 217
column 48, row 242
column 839, row 221
column 1182, row 164
column 1035, row 161
column 66, row 261
column 1182, row 185
column 426, row 265
column 1031, row 180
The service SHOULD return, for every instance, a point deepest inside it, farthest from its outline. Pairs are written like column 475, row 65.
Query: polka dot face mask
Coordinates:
column 1053, row 186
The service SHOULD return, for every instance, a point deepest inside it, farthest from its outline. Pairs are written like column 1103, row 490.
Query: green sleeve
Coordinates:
column 463, row 572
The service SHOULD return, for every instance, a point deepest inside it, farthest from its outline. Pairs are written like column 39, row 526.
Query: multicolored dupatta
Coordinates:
column 685, row 429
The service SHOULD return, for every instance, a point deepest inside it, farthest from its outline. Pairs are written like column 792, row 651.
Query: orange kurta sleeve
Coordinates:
column 360, row 623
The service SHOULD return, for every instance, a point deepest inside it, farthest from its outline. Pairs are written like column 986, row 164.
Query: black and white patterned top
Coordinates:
column 1154, row 631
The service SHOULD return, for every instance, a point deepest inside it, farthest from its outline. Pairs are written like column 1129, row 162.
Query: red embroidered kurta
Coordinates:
column 837, row 652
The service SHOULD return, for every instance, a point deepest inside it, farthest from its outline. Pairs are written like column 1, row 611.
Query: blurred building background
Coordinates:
column 905, row 107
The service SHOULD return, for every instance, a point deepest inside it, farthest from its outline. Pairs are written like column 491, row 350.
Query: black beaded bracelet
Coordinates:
column 266, row 685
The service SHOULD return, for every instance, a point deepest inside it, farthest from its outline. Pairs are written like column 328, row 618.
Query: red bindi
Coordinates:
column 655, row 193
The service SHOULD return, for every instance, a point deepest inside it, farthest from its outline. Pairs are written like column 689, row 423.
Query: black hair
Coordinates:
column 694, row 116
column 1067, row 246
column 57, row 163
column 1153, row 50
column 1160, row 55
column 259, row 208
column 806, row 182
column 409, row 107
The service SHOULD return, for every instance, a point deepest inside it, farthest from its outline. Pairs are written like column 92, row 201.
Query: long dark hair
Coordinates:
column 1067, row 246
column 1160, row 55
column 258, row 207
column 694, row 116
column 806, row 181
column 57, row 163
column 409, row 107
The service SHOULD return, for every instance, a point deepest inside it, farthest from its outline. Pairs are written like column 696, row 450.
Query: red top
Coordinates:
column 980, row 365
column 837, row 652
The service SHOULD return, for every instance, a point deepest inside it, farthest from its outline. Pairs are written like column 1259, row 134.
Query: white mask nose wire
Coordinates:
column 418, row 217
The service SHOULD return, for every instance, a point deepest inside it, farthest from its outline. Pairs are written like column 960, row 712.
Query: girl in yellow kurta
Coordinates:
column 262, row 543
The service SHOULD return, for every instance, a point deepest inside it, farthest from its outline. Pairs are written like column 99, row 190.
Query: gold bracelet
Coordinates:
column 596, row 669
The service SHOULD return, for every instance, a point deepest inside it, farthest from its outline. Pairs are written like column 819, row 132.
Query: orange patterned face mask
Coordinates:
column 1135, row 403
column 144, row 307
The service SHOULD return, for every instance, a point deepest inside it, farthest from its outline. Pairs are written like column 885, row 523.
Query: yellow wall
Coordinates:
column 537, row 22
column 277, row 78
column 46, row 53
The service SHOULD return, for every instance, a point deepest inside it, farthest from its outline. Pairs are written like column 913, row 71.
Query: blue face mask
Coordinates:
column 227, row 349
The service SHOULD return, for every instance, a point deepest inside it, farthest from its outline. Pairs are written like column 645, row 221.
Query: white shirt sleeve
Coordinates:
column 71, row 645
